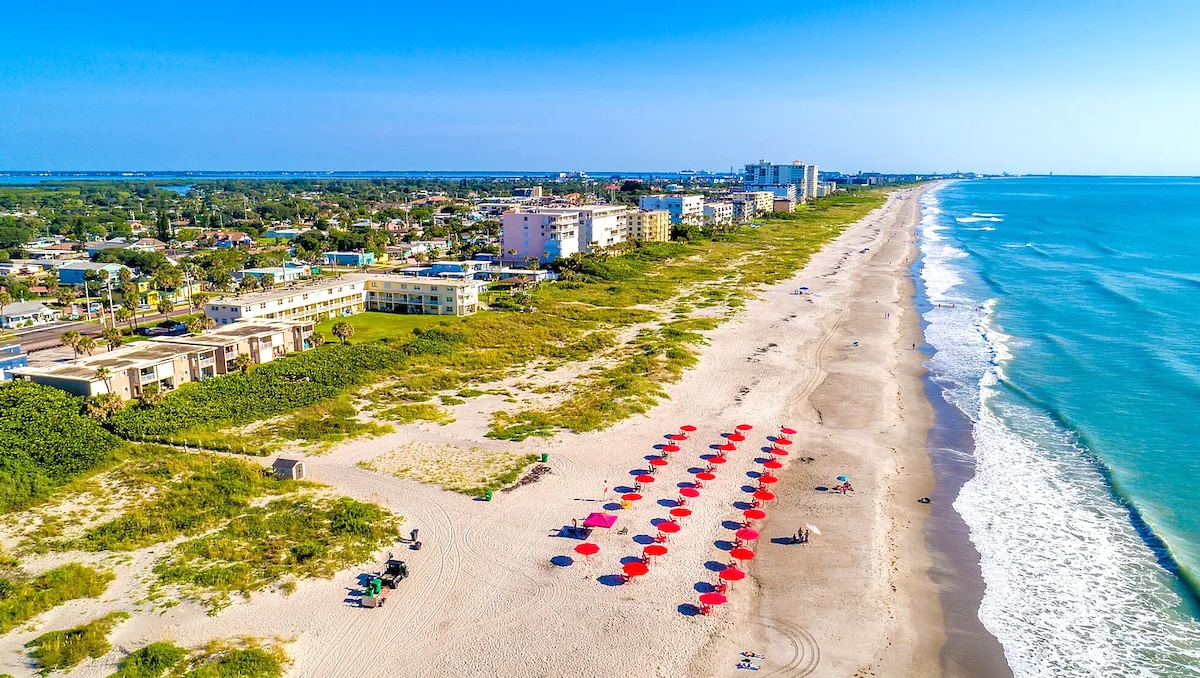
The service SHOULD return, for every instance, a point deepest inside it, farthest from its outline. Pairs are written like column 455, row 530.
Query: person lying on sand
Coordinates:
column 752, row 655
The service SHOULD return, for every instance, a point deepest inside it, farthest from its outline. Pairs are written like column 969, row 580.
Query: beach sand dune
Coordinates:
column 497, row 589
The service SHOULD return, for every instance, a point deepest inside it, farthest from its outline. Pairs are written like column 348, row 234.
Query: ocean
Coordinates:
column 1063, row 318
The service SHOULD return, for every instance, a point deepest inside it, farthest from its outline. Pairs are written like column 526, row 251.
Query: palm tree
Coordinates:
column 165, row 307
column 343, row 330
column 112, row 337
column 267, row 281
column 124, row 315
column 200, row 300
column 65, row 297
column 317, row 340
column 242, row 363
column 152, row 394
column 105, row 375
column 87, row 344
column 198, row 325
column 71, row 338
column 104, row 405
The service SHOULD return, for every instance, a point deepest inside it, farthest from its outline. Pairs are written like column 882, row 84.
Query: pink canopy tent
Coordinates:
column 599, row 520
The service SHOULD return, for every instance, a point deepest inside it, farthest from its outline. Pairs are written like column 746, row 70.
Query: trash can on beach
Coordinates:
column 545, row 457
column 487, row 495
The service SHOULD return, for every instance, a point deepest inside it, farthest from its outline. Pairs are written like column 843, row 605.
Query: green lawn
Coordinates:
column 374, row 325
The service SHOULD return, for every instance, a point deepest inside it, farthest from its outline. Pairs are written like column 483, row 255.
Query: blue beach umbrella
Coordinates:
column 843, row 479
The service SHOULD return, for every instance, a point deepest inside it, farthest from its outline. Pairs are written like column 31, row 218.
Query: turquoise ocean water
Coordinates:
column 1065, row 324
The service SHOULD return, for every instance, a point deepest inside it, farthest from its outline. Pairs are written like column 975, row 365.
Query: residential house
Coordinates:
column 355, row 259
column 73, row 272
column 25, row 314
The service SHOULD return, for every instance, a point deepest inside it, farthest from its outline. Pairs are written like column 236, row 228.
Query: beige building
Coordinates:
column 784, row 205
column 424, row 295
column 650, row 225
column 763, row 201
column 171, row 362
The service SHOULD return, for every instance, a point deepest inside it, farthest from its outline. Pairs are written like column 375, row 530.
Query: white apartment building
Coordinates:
column 315, row 301
column 352, row 294
column 784, row 181
column 602, row 226
column 718, row 213
column 684, row 209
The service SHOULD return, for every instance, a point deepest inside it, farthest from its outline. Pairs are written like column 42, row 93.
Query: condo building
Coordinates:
column 684, row 209
column 650, row 226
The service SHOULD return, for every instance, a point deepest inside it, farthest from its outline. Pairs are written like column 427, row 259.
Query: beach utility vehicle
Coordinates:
column 378, row 587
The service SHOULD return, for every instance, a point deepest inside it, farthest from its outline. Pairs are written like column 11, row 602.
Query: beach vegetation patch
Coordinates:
column 152, row 661
column 23, row 597
column 471, row 471
column 64, row 650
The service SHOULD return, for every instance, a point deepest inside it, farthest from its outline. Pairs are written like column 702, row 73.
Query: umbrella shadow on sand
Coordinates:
column 749, row 489
column 731, row 525
column 821, row 488
column 622, row 489
column 695, row 469
column 688, row 610
column 668, row 503
column 562, row 561
column 743, row 505
column 612, row 506
column 714, row 566
column 784, row 541
column 703, row 587
column 611, row 580
column 723, row 545
column 643, row 539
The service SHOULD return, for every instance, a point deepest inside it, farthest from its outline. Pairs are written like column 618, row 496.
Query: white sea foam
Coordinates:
column 1071, row 590
column 975, row 219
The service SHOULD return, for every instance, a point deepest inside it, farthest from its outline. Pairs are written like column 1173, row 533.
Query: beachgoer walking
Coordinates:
column 413, row 535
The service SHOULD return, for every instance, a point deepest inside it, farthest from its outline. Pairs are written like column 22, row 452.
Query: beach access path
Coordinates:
column 497, row 589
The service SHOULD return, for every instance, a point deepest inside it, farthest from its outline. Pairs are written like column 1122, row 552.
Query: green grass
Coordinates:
column 326, row 422
column 376, row 326
column 64, row 650
column 22, row 598
column 298, row 537
column 151, row 661
column 408, row 414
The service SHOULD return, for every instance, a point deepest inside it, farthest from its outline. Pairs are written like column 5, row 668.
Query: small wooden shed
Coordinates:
column 288, row 469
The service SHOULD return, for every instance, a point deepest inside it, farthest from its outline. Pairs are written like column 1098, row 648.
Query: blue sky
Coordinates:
column 1069, row 87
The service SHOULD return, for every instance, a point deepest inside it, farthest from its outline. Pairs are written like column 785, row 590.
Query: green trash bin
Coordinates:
column 545, row 457
column 487, row 495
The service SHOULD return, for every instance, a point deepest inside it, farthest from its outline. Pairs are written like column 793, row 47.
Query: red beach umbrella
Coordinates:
column 741, row 554
column 687, row 428
column 713, row 598
column 681, row 512
column 783, row 441
column 773, row 464
column 743, row 427
column 767, row 480
column 669, row 527
column 676, row 436
column 670, row 448
column 655, row 550
column 635, row 569
column 754, row 514
column 705, row 475
column 727, row 447
column 644, row 479
column 787, row 431
column 735, row 437
column 779, row 452
column 764, row 495
column 587, row 549
column 632, row 496
column 689, row 492
column 746, row 534
column 717, row 460
column 731, row 574
column 658, row 461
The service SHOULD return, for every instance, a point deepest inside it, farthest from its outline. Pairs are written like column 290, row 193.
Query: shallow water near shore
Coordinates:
column 1060, row 312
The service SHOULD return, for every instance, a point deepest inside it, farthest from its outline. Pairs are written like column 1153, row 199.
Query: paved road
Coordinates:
column 48, row 336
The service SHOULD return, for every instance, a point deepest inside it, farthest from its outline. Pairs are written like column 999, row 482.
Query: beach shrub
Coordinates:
column 63, row 650
column 151, row 661
column 22, row 598
column 46, row 442
column 253, row 662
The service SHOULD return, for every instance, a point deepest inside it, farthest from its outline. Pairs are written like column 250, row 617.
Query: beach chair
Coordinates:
column 706, row 609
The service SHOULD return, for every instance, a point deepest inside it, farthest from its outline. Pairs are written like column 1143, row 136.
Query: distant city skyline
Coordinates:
column 1023, row 87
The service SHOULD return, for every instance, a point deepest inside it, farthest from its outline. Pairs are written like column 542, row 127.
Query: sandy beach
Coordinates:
column 497, row 589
